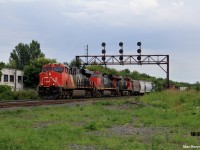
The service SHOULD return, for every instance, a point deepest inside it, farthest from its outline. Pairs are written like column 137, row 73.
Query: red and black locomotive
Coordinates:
column 60, row 81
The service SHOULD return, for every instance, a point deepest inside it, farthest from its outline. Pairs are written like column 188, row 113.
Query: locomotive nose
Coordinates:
column 46, row 81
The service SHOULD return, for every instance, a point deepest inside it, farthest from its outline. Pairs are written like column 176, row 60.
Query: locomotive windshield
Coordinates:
column 58, row 69
column 45, row 69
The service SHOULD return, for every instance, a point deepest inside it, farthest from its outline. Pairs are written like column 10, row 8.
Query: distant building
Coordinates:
column 13, row 78
column 183, row 88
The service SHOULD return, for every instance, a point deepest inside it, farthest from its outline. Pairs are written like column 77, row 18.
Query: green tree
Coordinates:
column 34, row 50
column 197, row 86
column 31, row 71
column 125, row 72
column 23, row 54
column 113, row 71
column 95, row 68
column 11, row 64
column 135, row 75
column 66, row 63
column 75, row 63
column 102, row 69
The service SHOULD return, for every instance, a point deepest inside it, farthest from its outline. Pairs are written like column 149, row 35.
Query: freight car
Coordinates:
column 60, row 81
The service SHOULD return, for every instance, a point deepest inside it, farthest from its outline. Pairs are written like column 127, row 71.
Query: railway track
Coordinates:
column 28, row 103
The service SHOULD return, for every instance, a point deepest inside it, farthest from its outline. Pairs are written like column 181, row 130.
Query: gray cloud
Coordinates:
column 63, row 28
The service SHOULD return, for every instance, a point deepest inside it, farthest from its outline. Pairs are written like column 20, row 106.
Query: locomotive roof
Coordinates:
column 55, row 64
column 97, row 72
column 127, row 78
column 115, row 77
column 86, row 71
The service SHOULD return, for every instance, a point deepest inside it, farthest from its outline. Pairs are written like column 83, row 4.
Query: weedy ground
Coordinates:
column 161, row 120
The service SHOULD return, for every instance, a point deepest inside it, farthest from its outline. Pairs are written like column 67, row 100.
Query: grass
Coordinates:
column 155, row 121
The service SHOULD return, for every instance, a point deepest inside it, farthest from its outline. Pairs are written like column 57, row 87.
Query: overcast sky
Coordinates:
column 64, row 27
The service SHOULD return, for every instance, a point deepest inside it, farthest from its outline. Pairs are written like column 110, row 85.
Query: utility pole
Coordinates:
column 86, row 53
column 15, row 80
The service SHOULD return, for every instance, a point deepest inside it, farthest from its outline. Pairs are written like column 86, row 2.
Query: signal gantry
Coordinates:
column 122, row 59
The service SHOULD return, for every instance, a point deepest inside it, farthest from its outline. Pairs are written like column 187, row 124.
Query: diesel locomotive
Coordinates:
column 57, row 81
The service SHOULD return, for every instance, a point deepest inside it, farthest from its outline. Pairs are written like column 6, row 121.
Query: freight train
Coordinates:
column 57, row 81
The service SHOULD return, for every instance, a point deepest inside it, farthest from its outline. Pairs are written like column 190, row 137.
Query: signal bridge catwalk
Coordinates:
column 128, row 60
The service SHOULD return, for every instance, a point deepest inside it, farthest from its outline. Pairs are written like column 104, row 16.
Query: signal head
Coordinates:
column 121, row 51
column 121, row 58
column 103, row 58
column 139, row 50
column 103, row 44
column 139, row 58
column 120, row 44
column 139, row 43
column 103, row 51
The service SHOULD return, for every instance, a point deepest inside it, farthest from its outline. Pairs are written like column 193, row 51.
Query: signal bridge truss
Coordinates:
column 159, row 60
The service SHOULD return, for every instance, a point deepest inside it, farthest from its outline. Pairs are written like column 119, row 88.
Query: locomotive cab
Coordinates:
column 51, row 80
column 51, row 75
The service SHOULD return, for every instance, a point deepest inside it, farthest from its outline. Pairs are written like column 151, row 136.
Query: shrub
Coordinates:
column 93, row 126
column 5, row 89
column 22, row 95
column 5, row 92
column 197, row 86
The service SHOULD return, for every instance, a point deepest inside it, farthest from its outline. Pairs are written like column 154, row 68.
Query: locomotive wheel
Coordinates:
column 56, row 97
column 88, row 93
column 46, row 97
column 98, row 94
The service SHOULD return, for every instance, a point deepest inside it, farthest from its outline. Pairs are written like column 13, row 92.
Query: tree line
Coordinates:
column 30, row 59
